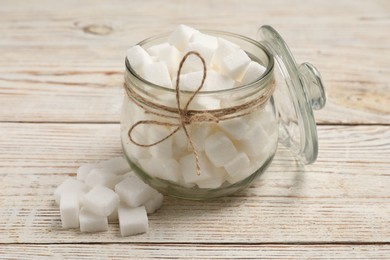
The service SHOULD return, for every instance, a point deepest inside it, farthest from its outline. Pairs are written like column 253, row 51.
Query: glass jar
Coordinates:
column 234, row 145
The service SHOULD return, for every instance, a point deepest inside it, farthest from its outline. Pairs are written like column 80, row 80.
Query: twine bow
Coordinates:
column 184, row 117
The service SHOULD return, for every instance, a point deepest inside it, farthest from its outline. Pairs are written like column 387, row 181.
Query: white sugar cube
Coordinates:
column 101, row 201
column 193, row 62
column 84, row 170
column 69, row 209
column 138, row 58
column 217, row 81
column 117, row 165
column 102, row 177
column 168, row 54
column 188, row 169
column 163, row 168
column 163, row 149
column 204, row 39
column 215, row 181
column 252, row 73
column 219, row 149
column 199, row 133
column 190, row 81
column 132, row 150
column 235, row 127
column 70, row 186
column 238, row 164
column 181, row 36
column 154, row 203
column 157, row 73
column 132, row 220
column 134, row 192
column 224, row 49
column 90, row 222
column 255, row 140
column 235, row 64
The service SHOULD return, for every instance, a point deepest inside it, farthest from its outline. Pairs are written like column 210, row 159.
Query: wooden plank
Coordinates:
column 341, row 198
column 167, row 251
column 72, row 67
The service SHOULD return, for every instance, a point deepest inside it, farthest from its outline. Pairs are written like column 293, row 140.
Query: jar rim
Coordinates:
column 259, row 81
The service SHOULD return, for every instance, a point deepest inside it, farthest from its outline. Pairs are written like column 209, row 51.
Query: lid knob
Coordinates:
column 314, row 87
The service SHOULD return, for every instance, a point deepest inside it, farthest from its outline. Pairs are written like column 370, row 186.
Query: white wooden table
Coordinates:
column 61, row 76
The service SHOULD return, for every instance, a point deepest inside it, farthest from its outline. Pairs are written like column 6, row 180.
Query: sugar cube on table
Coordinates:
column 252, row 73
column 138, row 58
column 134, row 192
column 117, row 165
column 235, row 64
column 181, row 36
column 157, row 73
column 102, row 177
column 154, row 203
column 69, row 210
column 70, row 186
column 101, row 201
column 236, row 127
column 132, row 220
column 219, row 149
column 163, row 168
column 84, row 170
column 90, row 222
column 168, row 54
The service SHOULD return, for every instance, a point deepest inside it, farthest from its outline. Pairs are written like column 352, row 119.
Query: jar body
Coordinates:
column 232, row 152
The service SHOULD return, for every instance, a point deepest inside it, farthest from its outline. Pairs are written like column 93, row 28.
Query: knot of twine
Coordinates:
column 186, row 116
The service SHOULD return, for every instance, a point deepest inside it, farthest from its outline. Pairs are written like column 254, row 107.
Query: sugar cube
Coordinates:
column 163, row 168
column 188, row 169
column 134, row 192
column 236, row 127
column 216, row 81
column 219, row 149
column 252, row 73
column 168, row 54
column 199, row 133
column 132, row 220
column 235, row 64
column 225, row 48
column 204, row 39
column 102, row 177
column 215, row 181
column 84, row 170
column 157, row 73
column 70, row 186
column 194, row 63
column 255, row 140
column 238, row 164
column 90, row 222
column 181, row 36
column 101, row 201
column 69, row 210
column 117, row 165
column 155, row 134
column 138, row 58
column 154, row 203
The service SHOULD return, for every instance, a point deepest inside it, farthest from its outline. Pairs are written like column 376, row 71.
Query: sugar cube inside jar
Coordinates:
column 205, row 144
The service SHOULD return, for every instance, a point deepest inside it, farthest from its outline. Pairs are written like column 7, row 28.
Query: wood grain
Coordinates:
column 184, row 251
column 73, row 61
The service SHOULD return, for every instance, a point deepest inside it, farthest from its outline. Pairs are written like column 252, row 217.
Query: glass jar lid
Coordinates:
column 295, row 100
